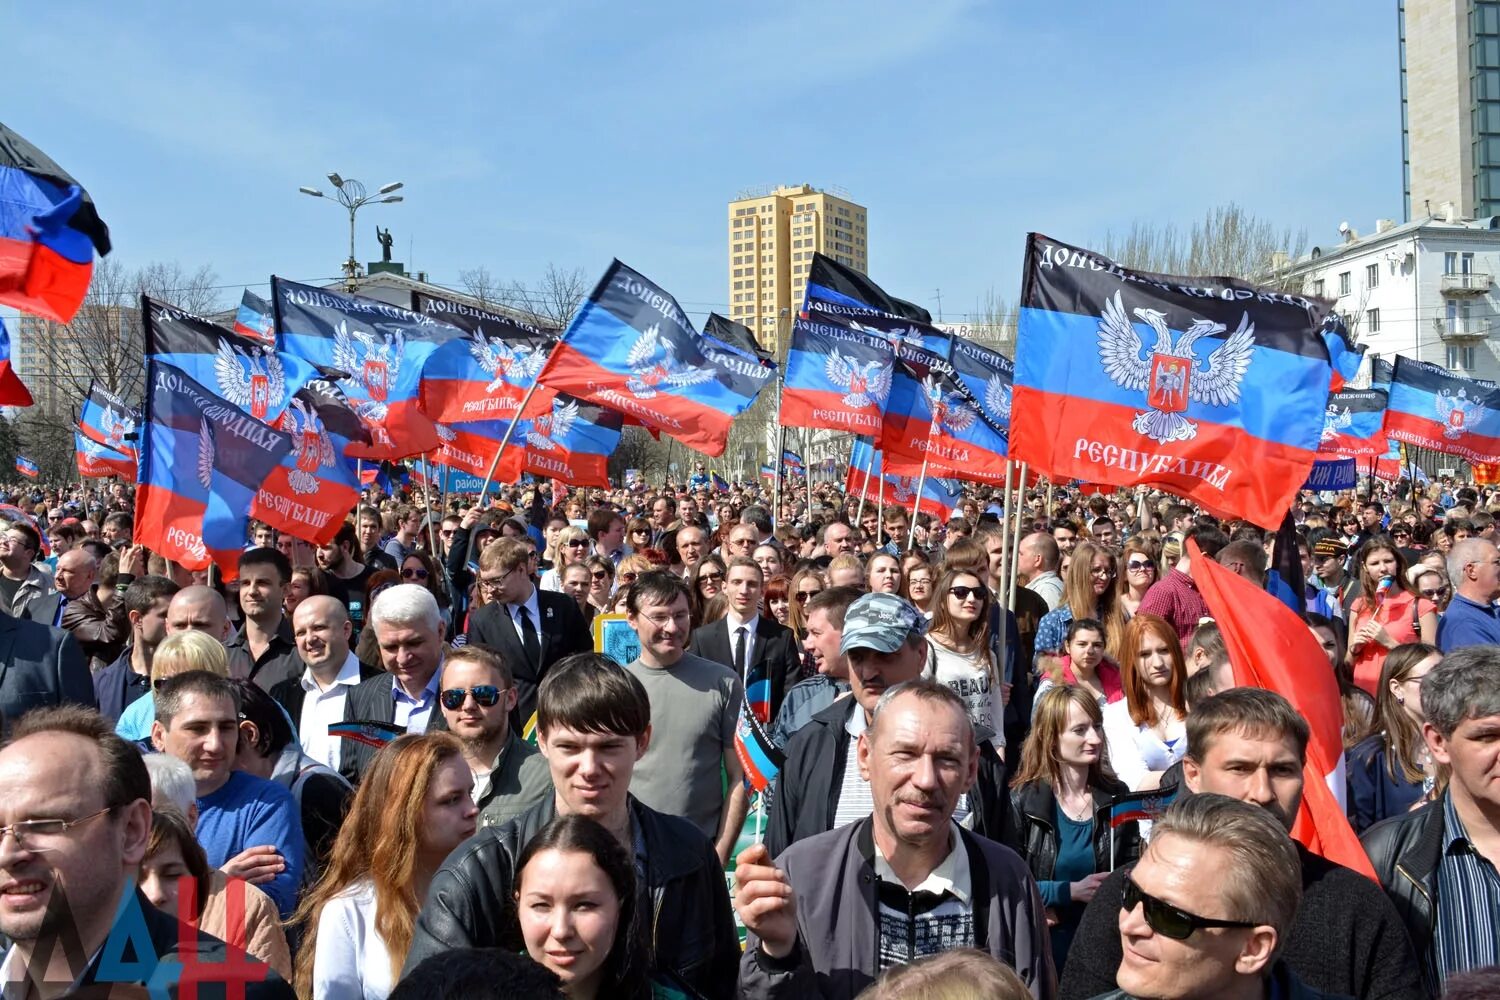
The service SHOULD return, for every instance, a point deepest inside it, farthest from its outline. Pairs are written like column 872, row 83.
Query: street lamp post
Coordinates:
column 352, row 195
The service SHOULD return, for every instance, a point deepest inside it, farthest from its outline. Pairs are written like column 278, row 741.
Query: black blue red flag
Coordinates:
column 830, row 281
column 1354, row 424
column 27, row 467
column 99, row 461
column 1343, row 353
column 202, row 461
column 1382, row 372
column 1208, row 387
column 735, row 335
column 631, row 348
column 884, row 484
column 312, row 490
column 109, row 420
column 484, row 374
column 375, row 351
column 572, row 444
column 1432, row 407
column 838, row 371
column 13, row 391
column 49, row 231
column 255, row 320
column 251, row 375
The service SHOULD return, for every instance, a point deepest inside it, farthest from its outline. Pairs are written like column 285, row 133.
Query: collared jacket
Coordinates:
column 38, row 583
column 520, row 779
column 1284, row 986
column 1405, row 851
column 1033, row 828
column 833, row 877
column 688, row 926
column 806, row 797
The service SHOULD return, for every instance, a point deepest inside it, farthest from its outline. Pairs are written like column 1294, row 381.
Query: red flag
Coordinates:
column 1270, row 647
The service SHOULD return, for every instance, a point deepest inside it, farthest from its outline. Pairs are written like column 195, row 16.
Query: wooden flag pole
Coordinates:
column 865, row 491
column 1015, row 549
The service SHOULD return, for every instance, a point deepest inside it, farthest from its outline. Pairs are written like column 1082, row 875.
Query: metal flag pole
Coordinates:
column 911, row 527
column 777, row 462
column 505, row 438
column 1015, row 549
column 427, row 506
column 865, row 490
column 1009, row 504
column 807, row 466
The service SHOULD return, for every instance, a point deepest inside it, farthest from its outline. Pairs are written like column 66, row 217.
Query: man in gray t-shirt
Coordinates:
column 695, row 705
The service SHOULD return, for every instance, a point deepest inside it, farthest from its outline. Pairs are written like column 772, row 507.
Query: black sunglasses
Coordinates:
column 415, row 573
column 1166, row 919
column 964, row 593
column 485, row 695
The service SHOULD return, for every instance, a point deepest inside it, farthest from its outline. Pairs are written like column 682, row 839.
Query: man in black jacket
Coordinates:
column 1250, row 744
column 594, row 723
column 755, row 646
column 819, row 787
column 531, row 628
column 1438, row 864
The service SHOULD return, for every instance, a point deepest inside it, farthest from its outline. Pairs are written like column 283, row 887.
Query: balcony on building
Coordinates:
column 1465, row 283
column 1461, row 330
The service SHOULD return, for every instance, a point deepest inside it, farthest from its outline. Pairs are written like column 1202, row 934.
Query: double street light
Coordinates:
column 352, row 195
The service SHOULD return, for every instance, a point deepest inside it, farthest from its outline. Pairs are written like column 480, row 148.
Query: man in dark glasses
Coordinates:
column 1209, row 907
column 1346, row 939
column 476, row 696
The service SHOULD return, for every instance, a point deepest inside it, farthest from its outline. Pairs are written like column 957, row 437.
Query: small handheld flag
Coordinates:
column 1138, row 806
column 366, row 731
column 718, row 483
column 758, row 753
column 27, row 467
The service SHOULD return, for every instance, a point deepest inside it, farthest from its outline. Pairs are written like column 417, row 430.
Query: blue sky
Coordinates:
column 571, row 132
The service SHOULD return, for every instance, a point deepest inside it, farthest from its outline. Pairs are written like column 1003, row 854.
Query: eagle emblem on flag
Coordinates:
column 205, row 455
column 1455, row 412
column 518, row 365
column 997, row 399
column 373, row 365
column 115, row 427
column 950, row 411
column 552, row 425
column 656, row 367
column 1169, row 374
column 903, row 488
column 1335, row 422
column 314, row 450
column 863, row 384
column 253, row 380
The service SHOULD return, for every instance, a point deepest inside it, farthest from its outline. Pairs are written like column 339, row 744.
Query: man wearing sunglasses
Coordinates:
column 477, row 695
column 1209, row 907
column 1346, row 938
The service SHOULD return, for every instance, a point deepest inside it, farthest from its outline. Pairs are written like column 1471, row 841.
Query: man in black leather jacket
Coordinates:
column 1455, row 841
column 593, row 721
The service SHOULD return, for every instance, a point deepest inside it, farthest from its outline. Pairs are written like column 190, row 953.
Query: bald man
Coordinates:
column 101, row 627
column 315, row 699
column 199, row 609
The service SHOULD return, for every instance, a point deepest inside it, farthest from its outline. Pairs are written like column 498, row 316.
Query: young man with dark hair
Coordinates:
column 593, row 725
column 265, row 650
column 348, row 579
column 758, row 649
column 145, row 603
column 368, row 528
column 824, row 614
column 1175, row 597
column 606, row 529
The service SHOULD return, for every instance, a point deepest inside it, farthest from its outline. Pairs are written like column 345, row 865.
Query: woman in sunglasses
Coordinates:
column 1432, row 584
column 413, row 807
column 705, row 578
column 1088, row 592
column 601, row 583
column 1060, row 800
column 419, row 568
column 959, row 653
column 1140, row 573
column 806, row 583
column 1145, row 730
column 637, row 535
column 1390, row 770
column 572, row 547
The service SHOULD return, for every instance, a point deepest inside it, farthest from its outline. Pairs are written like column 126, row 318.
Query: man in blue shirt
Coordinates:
column 249, row 827
column 1472, row 619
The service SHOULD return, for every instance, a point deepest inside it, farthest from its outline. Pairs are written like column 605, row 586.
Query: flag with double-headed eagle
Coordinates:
column 631, row 348
column 485, row 374
column 312, row 490
column 110, row 421
column 1354, row 424
column 1449, row 413
column 1207, row 387
column 571, row 444
column 374, row 352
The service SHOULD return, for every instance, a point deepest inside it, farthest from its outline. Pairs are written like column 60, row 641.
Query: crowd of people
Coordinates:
column 398, row 765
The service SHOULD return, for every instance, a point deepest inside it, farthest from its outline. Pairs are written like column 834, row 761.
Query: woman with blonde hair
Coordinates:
column 1139, row 570
column 959, row 974
column 1088, row 592
column 571, row 545
column 1059, row 806
column 411, row 810
column 177, row 654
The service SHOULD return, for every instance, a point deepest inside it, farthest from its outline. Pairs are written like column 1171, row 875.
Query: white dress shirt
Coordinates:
column 749, row 624
column 533, row 609
column 321, row 709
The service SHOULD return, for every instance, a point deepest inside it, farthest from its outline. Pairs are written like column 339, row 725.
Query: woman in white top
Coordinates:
column 1145, row 731
column 572, row 547
column 960, row 649
column 412, row 809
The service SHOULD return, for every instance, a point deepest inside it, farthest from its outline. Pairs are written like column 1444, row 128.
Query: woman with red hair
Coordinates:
column 1145, row 731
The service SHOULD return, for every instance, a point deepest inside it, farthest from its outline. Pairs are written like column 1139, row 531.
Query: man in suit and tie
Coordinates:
column 39, row 666
column 409, row 631
column 761, row 652
column 532, row 629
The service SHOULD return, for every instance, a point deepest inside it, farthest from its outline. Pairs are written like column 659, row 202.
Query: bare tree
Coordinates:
column 551, row 303
column 1227, row 241
column 480, row 285
column 104, row 342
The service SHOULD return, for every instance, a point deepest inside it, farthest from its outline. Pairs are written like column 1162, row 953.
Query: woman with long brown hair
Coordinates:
column 959, row 653
column 1390, row 770
column 1138, row 567
column 1088, row 592
column 1145, row 730
column 412, row 809
column 1387, row 613
column 806, row 582
column 1059, row 801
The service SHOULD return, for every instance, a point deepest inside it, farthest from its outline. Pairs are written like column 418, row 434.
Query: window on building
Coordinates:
column 1450, row 262
column 1372, row 320
column 1461, row 358
column 1466, row 263
column 1318, row 287
column 1372, row 275
column 1344, row 283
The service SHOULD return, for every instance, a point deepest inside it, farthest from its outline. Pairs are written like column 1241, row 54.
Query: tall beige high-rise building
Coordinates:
column 773, row 235
column 1450, row 107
